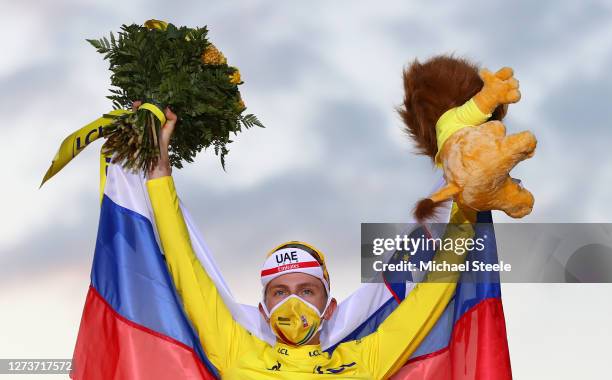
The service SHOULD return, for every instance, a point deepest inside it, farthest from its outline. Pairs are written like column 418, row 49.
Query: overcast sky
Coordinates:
column 325, row 78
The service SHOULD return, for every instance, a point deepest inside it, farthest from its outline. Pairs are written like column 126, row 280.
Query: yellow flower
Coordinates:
column 156, row 24
column 212, row 56
column 241, row 105
column 235, row 77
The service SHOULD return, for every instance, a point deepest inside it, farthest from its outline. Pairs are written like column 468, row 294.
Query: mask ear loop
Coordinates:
column 263, row 300
column 323, row 313
column 265, row 309
column 326, row 306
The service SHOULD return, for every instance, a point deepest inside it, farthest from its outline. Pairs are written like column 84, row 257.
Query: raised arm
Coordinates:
column 396, row 339
column 219, row 333
column 499, row 88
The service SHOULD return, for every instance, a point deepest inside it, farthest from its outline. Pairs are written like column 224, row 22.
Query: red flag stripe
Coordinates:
column 283, row 268
column 112, row 347
column 478, row 349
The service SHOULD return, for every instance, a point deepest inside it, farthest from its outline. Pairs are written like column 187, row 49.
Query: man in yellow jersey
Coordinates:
column 296, row 302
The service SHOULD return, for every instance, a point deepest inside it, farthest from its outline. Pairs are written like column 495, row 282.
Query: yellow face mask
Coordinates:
column 295, row 321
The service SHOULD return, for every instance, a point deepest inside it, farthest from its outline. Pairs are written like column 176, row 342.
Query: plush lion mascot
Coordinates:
column 453, row 111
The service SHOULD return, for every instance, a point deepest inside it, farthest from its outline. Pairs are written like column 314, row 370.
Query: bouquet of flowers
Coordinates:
column 167, row 66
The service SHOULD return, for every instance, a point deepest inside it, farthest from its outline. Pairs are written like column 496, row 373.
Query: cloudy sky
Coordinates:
column 324, row 77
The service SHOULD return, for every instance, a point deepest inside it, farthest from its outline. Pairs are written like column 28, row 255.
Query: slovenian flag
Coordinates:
column 468, row 342
column 133, row 325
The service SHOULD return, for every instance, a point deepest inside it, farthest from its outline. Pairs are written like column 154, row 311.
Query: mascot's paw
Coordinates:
column 524, row 208
column 514, row 199
column 521, row 145
column 499, row 88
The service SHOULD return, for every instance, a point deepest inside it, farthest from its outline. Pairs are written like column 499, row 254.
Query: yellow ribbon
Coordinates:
column 79, row 139
column 155, row 110
column 105, row 160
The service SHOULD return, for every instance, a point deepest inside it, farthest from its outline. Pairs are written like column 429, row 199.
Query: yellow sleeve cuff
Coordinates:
column 156, row 183
column 467, row 115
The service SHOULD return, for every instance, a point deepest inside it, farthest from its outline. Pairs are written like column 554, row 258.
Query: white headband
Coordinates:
column 291, row 260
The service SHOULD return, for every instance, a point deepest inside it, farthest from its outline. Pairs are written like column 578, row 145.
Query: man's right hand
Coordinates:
column 162, row 168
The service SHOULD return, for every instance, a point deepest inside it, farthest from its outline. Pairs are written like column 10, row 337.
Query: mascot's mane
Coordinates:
column 432, row 88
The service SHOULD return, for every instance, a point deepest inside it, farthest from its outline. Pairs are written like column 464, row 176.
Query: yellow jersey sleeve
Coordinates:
column 387, row 349
column 451, row 121
column 219, row 333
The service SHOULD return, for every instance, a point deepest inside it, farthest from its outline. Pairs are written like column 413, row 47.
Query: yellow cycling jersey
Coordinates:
column 239, row 355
